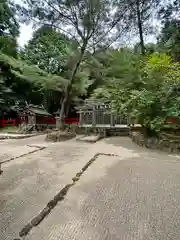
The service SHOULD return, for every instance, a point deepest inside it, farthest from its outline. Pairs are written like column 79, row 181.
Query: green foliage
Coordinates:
column 8, row 45
column 8, row 22
column 56, row 54
column 16, row 76
column 145, row 88
column 9, row 28
column 137, row 15
column 88, row 22
column 48, row 49
column 24, row 72
column 55, row 66
column 169, row 39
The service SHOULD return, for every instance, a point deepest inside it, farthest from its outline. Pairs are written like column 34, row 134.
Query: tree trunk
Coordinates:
column 68, row 105
column 140, row 28
column 69, row 87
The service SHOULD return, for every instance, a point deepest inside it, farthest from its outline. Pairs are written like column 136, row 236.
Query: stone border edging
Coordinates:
column 19, row 137
column 25, row 154
column 82, row 139
column 57, row 198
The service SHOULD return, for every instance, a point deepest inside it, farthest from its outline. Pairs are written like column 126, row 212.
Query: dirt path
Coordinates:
column 123, row 192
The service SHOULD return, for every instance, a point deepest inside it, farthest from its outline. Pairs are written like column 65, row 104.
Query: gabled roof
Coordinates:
column 37, row 110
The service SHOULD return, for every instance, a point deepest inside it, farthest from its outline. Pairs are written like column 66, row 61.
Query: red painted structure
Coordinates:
column 70, row 121
column 174, row 120
column 7, row 123
column 48, row 120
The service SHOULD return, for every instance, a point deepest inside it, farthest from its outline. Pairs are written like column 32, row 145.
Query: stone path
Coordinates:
column 127, row 193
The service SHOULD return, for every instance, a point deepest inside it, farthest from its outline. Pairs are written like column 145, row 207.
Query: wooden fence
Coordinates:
column 101, row 118
column 48, row 120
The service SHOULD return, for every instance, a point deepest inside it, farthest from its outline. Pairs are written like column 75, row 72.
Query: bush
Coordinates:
column 146, row 89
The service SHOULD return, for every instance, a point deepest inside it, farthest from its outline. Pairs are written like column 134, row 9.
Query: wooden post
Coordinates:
column 57, row 122
column 112, row 120
column 129, row 121
column 80, row 118
column 94, row 116
column 34, row 119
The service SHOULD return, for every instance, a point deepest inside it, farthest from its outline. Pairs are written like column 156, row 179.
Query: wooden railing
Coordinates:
column 101, row 118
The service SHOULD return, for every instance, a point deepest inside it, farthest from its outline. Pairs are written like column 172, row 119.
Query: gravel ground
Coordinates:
column 134, row 194
column 29, row 182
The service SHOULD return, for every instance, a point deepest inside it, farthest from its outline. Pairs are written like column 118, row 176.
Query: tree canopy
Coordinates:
column 76, row 53
column 48, row 49
column 20, row 81
column 9, row 28
column 169, row 37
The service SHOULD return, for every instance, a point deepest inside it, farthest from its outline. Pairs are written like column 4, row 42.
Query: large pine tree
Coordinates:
column 9, row 28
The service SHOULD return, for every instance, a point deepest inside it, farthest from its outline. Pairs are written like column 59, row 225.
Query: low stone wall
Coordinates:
column 103, row 131
column 56, row 136
column 59, row 136
column 118, row 132
column 166, row 142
